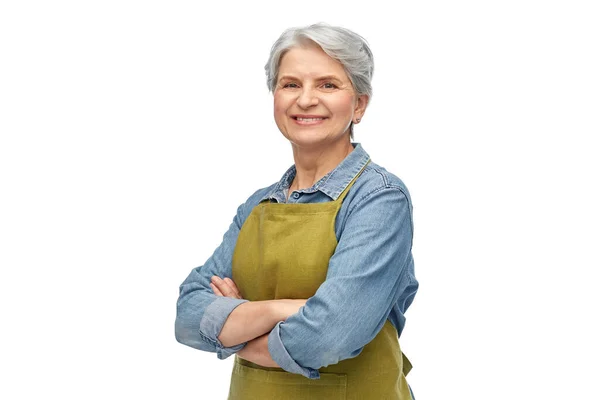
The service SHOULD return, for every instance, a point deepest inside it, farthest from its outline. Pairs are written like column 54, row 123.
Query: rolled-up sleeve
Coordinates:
column 280, row 355
column 200, row 313
column 369, row 272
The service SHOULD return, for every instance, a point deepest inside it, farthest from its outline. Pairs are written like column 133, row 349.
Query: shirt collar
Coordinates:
column 332, row 184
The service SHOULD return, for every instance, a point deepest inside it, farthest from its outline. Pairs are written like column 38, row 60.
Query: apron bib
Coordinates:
column 283, row 252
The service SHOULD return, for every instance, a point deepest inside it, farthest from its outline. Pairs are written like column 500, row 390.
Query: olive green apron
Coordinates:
column 282, row 252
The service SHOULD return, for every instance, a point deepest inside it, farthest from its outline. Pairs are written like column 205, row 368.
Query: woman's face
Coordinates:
column 314, row 99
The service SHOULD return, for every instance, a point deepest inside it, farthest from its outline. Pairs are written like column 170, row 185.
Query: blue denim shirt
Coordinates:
column 370, row 277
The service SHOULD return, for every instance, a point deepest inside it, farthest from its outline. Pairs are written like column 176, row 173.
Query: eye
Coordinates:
column 290, row 85
column 329, row 85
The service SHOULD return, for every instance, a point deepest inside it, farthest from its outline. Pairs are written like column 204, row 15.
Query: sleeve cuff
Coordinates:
column 280, row 355
column 212, row 323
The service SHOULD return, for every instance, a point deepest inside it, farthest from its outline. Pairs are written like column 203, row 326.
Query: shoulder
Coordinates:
column 248, row 205
column 378, row 199
column 376, row 180
column 258, row 195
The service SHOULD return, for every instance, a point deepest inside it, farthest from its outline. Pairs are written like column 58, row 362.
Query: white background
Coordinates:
column 131, row 131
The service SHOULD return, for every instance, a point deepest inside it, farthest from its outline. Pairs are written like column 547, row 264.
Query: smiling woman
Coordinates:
column 311, row 282
column 314, row 98
column 315, row 103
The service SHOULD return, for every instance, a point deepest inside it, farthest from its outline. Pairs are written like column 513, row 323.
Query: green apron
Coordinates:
column 282, row 252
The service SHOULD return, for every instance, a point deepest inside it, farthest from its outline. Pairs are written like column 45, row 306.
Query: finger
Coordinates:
column 216, row 289
column 233, row 287
column 222, row 286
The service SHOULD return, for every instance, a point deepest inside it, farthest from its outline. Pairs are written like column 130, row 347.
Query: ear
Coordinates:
column 361, row 105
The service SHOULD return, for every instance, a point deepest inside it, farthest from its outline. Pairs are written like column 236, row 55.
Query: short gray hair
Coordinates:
column 348, row 48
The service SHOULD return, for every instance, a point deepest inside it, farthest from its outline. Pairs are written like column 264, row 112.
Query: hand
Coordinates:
column 257, row 351
column 225, row 287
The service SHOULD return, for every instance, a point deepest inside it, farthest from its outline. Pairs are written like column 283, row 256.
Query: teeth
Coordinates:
column 309, row 119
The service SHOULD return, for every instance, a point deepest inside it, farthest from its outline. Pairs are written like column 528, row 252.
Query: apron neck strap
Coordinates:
column 347, row 189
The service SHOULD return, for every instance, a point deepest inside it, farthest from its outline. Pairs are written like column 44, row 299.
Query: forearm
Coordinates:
column 248, row 321
column 257, row 351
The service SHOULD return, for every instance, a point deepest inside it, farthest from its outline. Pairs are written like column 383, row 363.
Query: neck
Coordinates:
column 314, row 163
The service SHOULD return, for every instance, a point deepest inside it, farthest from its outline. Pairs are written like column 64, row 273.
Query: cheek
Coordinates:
column 279, row 106
column 280, row 112
column 278, row 109
column 342, row 105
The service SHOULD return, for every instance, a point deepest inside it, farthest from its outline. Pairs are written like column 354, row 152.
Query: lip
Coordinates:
column 295, row 116
column 306, row 123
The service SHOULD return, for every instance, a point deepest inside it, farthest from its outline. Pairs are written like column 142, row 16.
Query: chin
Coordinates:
column 308, row 137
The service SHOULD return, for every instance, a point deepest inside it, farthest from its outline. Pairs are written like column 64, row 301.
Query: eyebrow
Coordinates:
column 321, row 78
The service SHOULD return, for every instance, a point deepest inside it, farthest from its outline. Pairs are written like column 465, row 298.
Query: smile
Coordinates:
column 308, row 121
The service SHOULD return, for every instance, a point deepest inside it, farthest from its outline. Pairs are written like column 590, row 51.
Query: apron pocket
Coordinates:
column 249, row 383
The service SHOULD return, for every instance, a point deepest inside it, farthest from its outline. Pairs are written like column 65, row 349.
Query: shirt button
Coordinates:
column 296, row 195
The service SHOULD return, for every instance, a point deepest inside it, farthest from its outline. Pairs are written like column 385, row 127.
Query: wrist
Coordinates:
column 257, row 352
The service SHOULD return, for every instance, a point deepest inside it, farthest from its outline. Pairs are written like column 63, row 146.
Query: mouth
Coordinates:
column 308, row 119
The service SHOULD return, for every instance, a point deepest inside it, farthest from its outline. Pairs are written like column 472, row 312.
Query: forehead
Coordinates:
column 310, row 61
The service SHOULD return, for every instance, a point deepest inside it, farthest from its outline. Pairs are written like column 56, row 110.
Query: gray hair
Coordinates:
column 348, row 48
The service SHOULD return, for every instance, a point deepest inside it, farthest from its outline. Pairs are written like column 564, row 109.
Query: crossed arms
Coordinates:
column 369, row 276
column 252, row 322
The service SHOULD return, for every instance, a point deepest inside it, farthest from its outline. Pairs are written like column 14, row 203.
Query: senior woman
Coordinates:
column 311, row 282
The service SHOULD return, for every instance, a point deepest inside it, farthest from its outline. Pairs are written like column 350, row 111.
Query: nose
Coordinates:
column 307, row 98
